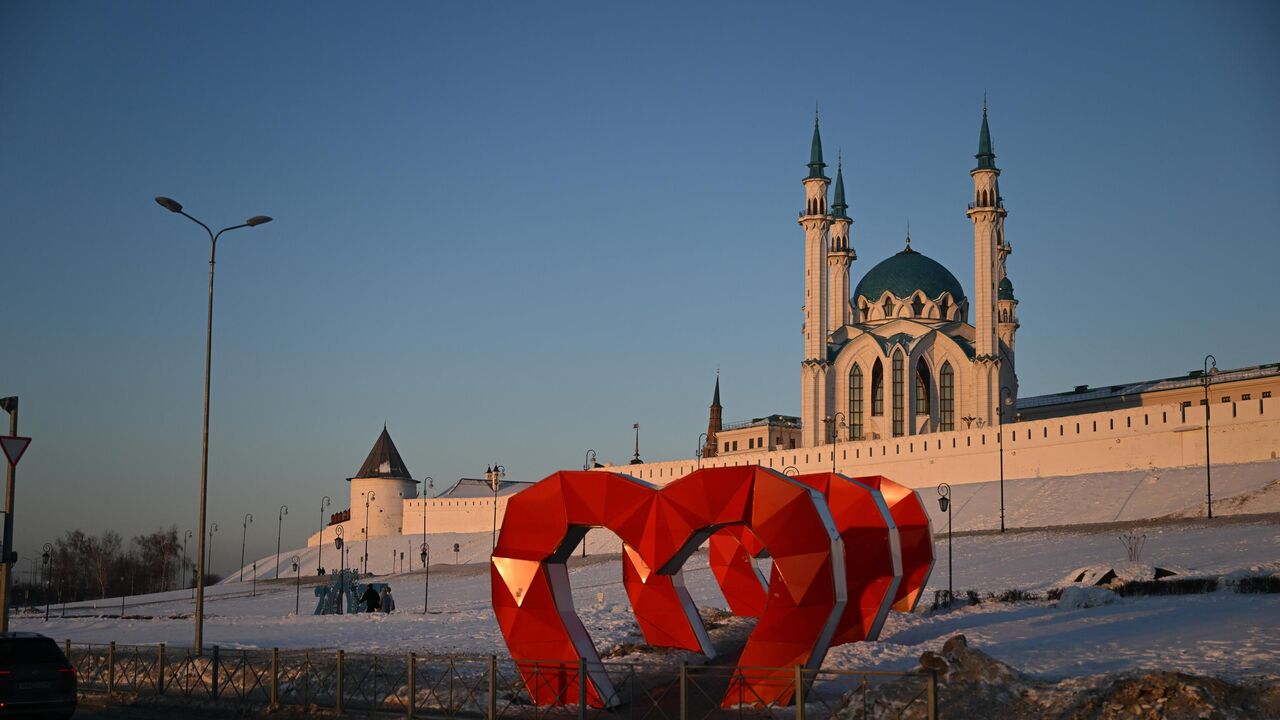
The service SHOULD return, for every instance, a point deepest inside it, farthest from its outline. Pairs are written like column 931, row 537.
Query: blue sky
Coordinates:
column 512, row 230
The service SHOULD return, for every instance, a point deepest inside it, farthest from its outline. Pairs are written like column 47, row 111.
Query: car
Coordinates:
column 35, row 677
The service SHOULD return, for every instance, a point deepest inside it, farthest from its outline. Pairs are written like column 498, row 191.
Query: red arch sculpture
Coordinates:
column 876, row 581
column 661, row 528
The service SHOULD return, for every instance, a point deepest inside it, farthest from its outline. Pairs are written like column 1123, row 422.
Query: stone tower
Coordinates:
column 713, row 423
column 814, row 379
column 987, row 213
column 840, row 255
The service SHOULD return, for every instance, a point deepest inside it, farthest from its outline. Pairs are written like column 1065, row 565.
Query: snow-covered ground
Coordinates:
column 1222, row 633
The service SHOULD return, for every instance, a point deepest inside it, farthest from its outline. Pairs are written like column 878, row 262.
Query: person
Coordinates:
column 370, row 599
column 385, row 601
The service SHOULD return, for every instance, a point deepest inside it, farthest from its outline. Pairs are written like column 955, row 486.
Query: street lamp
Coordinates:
column 253, row 591
column 495, row 475
column 833, row 426
column 944, row 503
column 297, row 584
column 185, row 538
column 1006, row 398
column 213, row 528
column 248, row 518
column 698, row 451
column 590, row 460
column 9, row 405
column 324, row 503
column 175, row 207
column 431, row 486
column 284, row 510
column 369, row 496
column 1209, row 372
column 45, row 559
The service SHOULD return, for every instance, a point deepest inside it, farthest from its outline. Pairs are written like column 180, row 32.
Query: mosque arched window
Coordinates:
column 855, row 403
column 922, row 389
column 898, row 404
column 943, row 307
column 946, row 398
column 888, row 308
column 877, row 388
column 917, row 306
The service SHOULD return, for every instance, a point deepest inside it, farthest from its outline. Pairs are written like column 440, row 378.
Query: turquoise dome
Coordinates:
column 1004, row 291
column 905, row 273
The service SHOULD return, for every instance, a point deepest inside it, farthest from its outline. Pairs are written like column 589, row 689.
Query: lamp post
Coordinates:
column 495, row 475
column 426, row 584
column 324, row 503
column 213, row 528
column 944, row 503
column 248, row 518
column 253, row 591
column 284, row 510
column 834, row 426
column 185, row 538
column 9, row 405
column 369, row 496
column 1006, row 398
column 702, row 448
column 297, row 584
column 589, row 461
column 1209, row 372
column 46, row 558
column 174, row 206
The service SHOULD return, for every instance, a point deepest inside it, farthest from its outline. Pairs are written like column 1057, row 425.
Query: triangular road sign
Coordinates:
column 13, row 447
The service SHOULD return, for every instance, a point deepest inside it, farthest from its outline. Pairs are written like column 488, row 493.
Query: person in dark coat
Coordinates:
column 370, row 599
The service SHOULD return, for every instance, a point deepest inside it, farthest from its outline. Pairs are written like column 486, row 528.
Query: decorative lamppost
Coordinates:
column 590, row 460
column 369, row 496
column 324, row 503
column 213, row 528
column 253, row 592
column 834, row 423
column 342, row 572
column 702, row 448
column 1205, row 379
column 1006, row 398
column 248, row 518
column 944, row 503
column 297, row 584
column 174, row 206
column 46, row 558
column 185, row 538
column 426, row 584
column 284, row 510
column 495, row 475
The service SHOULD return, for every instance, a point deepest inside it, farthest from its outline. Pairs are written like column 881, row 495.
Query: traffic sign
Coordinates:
column 13, row 447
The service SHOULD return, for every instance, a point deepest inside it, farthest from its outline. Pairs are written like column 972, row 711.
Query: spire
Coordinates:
column 986, row 153
column 908, row 238
column 384, row 460
column 840, row 206
column 715, row 400
column 815, row 151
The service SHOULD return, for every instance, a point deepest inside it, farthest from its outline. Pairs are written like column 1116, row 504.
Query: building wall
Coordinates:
column 1145, row 437
column 465, row 515
column 1233, row 390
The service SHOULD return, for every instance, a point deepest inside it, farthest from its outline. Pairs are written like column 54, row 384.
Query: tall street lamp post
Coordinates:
column 213, row 528
column 702, row 448
column 1205, row 379
column 834, row 423
column 1006, row 398
column 284, row 510
column 426, row 584
column 944, row 503
column 589, row 461
column 185, row 537
column 46, row 558
column 324, row 503
column 369, row 496
column 244, row 533
column 253, row 590
column 9, row 405
column 174, row 206
column 494, row 475
column 425, row 553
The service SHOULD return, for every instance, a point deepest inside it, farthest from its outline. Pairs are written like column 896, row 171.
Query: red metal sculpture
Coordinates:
column 882, row 570
column 661, row 528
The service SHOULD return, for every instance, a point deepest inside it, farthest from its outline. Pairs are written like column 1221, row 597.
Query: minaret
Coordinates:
column 988, row 213
column 713, row 424
column 1007, row 325
column 840, row 255
column 816, row 223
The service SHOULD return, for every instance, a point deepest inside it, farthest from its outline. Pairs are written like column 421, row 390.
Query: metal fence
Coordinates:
column 411, row 685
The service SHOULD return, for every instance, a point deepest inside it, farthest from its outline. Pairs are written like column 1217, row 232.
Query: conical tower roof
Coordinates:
column 816, row 165
column 384, row 460
column 986, row 152
column 840, row 208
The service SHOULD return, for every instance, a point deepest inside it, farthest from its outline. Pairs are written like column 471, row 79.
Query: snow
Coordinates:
column 1222, row 633
column 1079, row 598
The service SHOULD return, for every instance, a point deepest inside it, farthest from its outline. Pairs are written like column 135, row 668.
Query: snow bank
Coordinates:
column 1077, row 598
